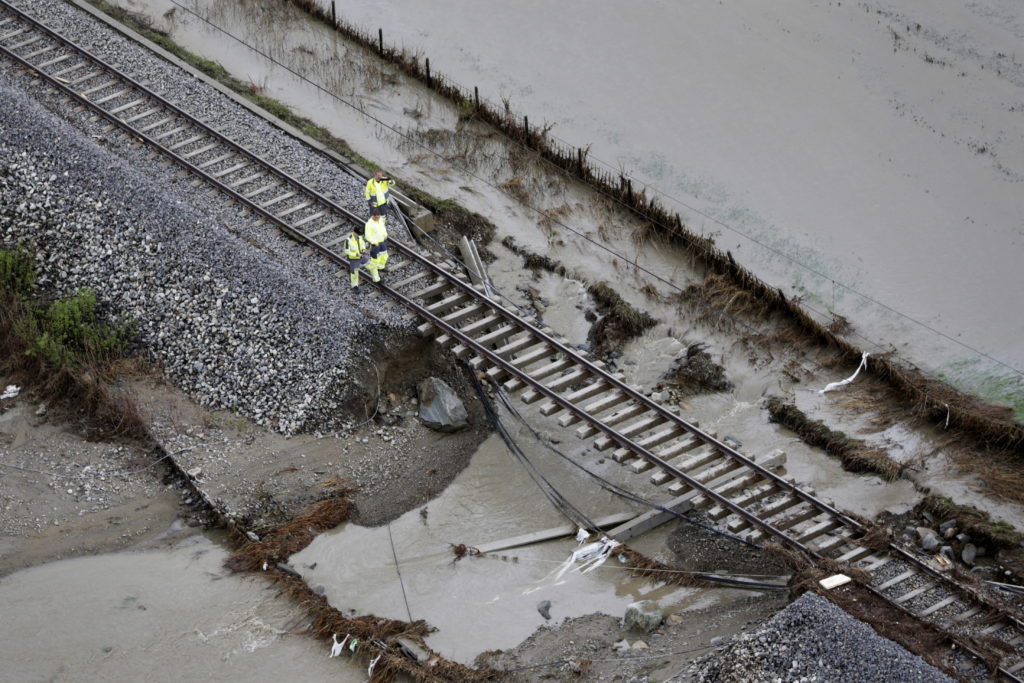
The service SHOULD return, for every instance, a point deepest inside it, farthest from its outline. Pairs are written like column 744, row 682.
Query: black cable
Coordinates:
column 401, row 582
column 615, row 488
column 561, row 503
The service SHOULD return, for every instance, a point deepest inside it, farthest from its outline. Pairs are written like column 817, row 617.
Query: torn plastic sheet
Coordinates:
column 835, row 385
column 10, row 392
column 588, row 557
column 337, row 647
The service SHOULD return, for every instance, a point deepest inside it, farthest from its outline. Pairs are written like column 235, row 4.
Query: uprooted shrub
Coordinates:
column 697, row 373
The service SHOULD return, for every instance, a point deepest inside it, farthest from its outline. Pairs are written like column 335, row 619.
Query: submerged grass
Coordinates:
column 855, row 454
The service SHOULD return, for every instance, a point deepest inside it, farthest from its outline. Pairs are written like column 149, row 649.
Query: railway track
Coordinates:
column 744, row 494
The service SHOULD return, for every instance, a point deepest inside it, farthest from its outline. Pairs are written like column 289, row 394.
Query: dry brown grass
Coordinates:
column 376, row 635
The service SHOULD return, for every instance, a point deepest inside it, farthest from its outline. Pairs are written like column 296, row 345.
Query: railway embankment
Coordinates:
column 233, row 325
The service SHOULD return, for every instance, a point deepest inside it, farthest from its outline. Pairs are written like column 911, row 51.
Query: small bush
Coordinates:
column 17, row 271
column 67, row 333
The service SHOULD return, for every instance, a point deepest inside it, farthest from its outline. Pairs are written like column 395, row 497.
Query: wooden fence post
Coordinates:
column 380, row 41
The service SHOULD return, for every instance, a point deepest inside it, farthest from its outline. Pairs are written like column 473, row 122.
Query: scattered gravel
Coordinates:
column 813, row 640
column 229, row 324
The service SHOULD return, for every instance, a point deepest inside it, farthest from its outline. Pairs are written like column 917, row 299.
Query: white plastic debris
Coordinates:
column 835, row 385
column 369, row 672
column 10, row 392
column 337, row 647
column 589, row 557
column 582, row 536
column 834, row 581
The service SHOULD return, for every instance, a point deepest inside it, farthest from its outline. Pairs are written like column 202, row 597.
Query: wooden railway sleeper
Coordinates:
column 651, row 441
column 687, row 453
column 611, row 399
column 618, row 417
column 646, row 423
column 598, row 386
column 538, row 374
column 515, row 342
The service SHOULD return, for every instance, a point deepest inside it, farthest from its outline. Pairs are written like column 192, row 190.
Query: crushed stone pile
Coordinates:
column 813, row 641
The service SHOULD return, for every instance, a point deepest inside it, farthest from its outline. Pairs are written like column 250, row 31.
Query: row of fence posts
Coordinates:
column 625, row 184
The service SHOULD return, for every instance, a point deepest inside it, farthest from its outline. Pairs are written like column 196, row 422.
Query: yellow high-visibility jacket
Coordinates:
column 375, row 230
column 355, row 245
column 378, row 191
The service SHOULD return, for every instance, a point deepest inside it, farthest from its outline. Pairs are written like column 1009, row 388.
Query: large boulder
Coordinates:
column 440, row 406
column 643, row 616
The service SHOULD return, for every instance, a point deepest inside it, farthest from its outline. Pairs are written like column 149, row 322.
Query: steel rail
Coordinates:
column 511, row 317
column 626, row 442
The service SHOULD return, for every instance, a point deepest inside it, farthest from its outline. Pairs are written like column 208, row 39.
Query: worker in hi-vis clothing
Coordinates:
column 355, row 250
column 377, row 235
column 377, row 189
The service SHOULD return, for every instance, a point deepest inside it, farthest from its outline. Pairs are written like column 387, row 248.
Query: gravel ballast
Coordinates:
column 813, row 640
column 233, row 326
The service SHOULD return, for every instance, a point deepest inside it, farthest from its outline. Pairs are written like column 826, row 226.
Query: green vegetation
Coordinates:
column 66, row 334
column 17, row 272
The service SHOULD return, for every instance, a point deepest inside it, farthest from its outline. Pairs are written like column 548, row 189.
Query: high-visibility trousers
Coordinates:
column 379, row 254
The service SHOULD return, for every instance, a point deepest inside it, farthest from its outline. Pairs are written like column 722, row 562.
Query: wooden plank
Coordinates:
column 551, row 534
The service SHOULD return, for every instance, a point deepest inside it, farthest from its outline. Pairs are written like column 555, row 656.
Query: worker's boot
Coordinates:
column 354, row 277
column 382, row 260
column 372, row 267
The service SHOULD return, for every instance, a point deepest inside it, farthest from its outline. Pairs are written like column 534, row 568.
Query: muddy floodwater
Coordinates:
column 490, row 602
column 165, row 615
column 867, row 156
